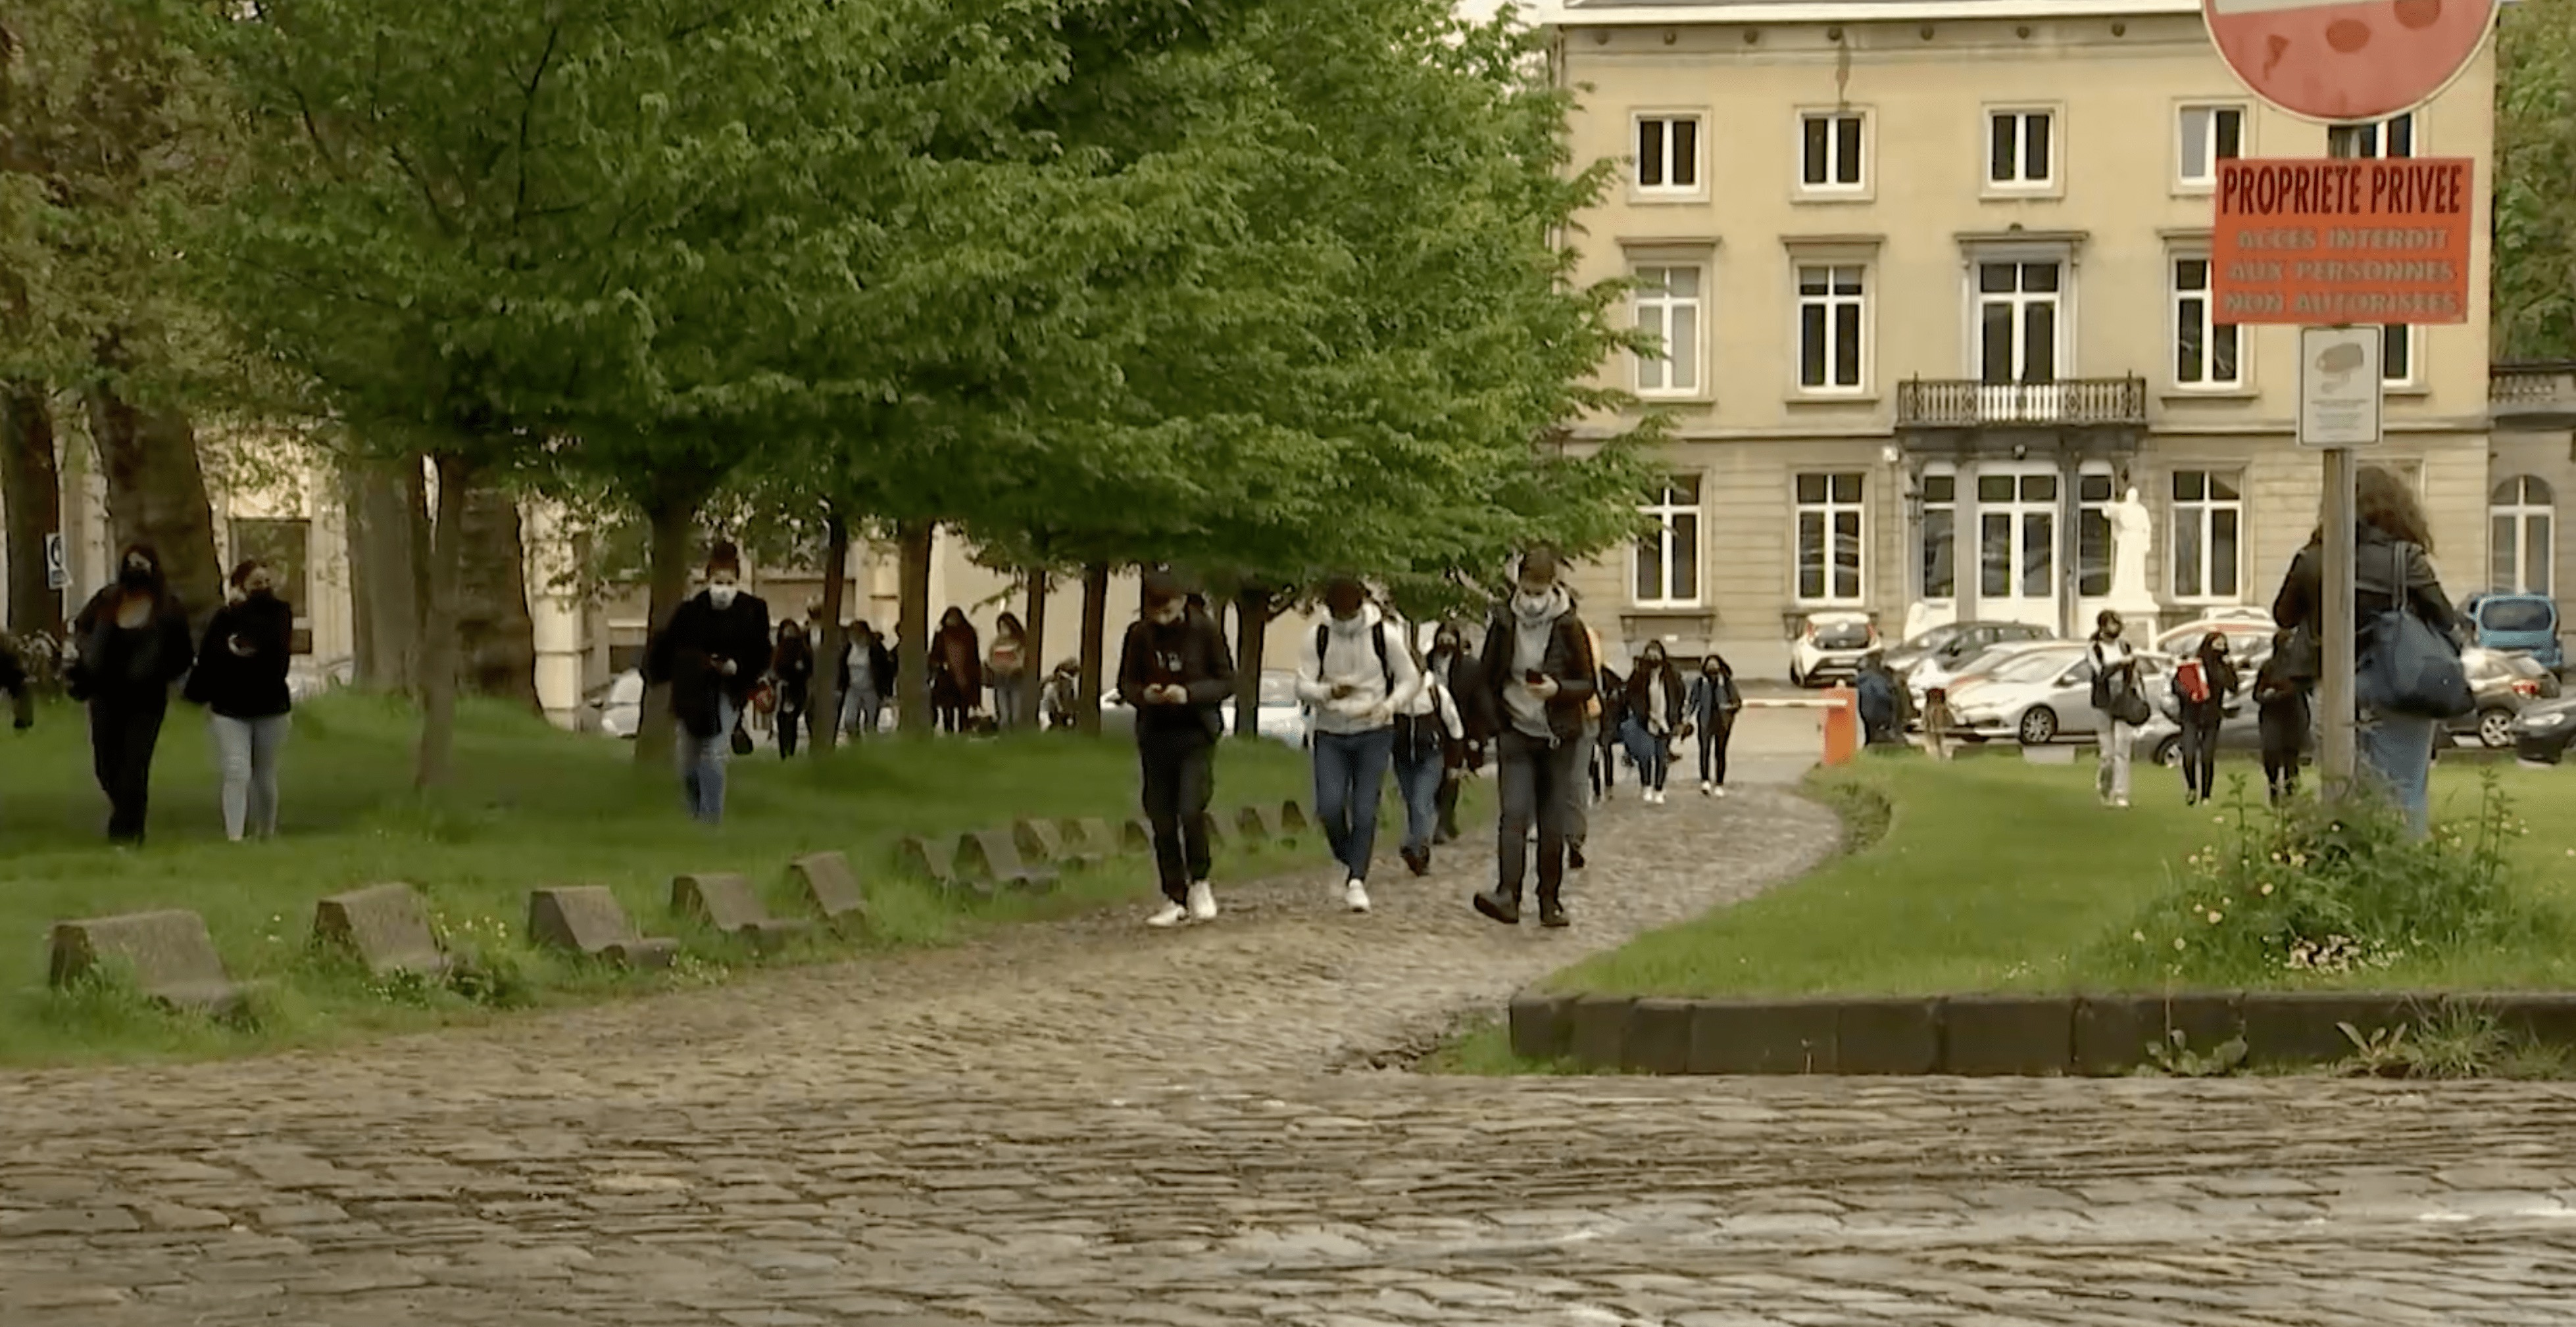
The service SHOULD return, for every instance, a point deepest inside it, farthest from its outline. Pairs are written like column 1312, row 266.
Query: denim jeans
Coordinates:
column 1010, row 700
column 246, row 755
column 702, row 765
column 1648, row 751
column 1350, row 775
column 2398, row 748
column 1419, row 768
column 860, row 710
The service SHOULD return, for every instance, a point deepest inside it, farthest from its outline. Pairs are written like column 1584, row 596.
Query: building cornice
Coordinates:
column 1556, row 13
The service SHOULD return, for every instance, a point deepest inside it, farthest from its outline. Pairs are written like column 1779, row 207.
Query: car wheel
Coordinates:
column 2169, row 752
column 2495, row 728
column 2038, row 726
column 1796, row 678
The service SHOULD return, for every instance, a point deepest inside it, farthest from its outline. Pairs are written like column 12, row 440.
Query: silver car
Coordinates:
column 2039, row 697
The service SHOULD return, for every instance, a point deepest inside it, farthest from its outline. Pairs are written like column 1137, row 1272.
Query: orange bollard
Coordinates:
column 1842, row 726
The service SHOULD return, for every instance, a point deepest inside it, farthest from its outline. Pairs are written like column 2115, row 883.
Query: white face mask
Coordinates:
column 722, row 596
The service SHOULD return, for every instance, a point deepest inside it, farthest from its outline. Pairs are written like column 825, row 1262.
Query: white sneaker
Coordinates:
column 1169, row 915
column 2119, row 803
column 1355, row 896
column 1721, row 792
column 1202, row 902
column 1707, row 789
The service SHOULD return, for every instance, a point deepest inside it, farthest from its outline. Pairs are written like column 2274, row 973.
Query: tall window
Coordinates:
column 2204, row 348
column 2207, row 135
column 1829, row 149
column 1940, row 536
column 2519, row 527
column 1668, row 153
column 2384, row 138
column 2208, row 513
column 1829, row 538
column 2021, row 149
column 1830, row 305
column 2017, row 321
column 2397, row 355
column 2017, row 536
column 2093, row 535
column 1667, row 564
column 1668, row 308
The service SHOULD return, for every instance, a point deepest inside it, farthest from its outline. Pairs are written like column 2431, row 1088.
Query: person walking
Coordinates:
column 1539, row 676
column 2281, row 709
column 1607, row 715
column 710, row 654
column 2203, row 685
column 1654, row 710
column 133, row 643
column 791, row 672
column 1006, row 668
column 1060, row 696
column 1713, row 703
column 1357, row 683
column 2392, row 572
column 957, row 671
column 240, row 678
column 1460, row 676
column 2118, row 706
column 1174, row 669
column 1430, row 743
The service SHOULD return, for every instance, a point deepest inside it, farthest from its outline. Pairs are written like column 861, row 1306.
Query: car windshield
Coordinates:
column 2515, row 615
column 1936, row 638
column 1842, row 635
column 2033, row 665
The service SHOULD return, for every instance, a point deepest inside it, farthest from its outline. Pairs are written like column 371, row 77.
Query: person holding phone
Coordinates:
column 1541, row 670
column 1176, row 671
column 1357, row 682
column 711, row 654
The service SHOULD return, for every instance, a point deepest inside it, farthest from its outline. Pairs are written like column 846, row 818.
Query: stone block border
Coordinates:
column 1988, row 1035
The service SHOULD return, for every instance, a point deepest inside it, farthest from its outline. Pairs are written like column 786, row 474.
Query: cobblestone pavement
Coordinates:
column 1089, row 1124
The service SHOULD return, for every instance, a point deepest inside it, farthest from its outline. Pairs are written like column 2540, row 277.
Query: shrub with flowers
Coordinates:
column 2327, row 890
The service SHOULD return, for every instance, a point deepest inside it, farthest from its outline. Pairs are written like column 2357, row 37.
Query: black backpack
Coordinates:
column 1377, row 637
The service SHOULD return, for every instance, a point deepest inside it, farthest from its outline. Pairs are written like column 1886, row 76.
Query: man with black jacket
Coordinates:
column 1175, row 670
column 1539, row 674
column 712, row 653
column 1460, row 673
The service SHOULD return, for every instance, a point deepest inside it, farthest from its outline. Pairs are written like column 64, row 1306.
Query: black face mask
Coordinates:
column 135, row 578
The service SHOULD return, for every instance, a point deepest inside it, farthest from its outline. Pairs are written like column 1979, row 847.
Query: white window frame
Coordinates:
column 2062, row 347
column 1831, row 187
column 2409, row 341
column 1671, row 503
column 2019, row 512
column 1696, row 160
column 2373, row 135
column 2203, row 511
column 1922, row 570
column 2204, row 321
column 1832, row 302
column 1829, row 511
column 2203, row 139
column 2520, row 512
column 1668, row 308
column 2021, row 185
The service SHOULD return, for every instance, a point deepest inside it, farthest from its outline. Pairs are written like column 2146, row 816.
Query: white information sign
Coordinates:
column 2339, row 387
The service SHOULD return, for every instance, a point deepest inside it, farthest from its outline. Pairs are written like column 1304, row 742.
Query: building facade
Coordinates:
column 1932, row 283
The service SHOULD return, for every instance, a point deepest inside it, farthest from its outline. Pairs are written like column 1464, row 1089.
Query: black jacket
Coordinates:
column 1192, row 653
column 688, row 653
column 1676, row 690
column 2221, row 678
column 1464, row 675
column 1568, row 659
column 2281, row 707
column 794, row 666
column 249, row 683
column 118, row 663
column 2375, row 574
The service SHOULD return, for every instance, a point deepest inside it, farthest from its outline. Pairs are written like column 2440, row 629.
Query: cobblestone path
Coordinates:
column 1090, row 1124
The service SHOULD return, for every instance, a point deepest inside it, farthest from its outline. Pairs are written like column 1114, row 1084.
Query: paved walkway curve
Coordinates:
column 1090, row 1124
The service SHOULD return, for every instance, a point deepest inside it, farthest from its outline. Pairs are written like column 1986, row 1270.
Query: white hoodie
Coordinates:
column 1350, row 659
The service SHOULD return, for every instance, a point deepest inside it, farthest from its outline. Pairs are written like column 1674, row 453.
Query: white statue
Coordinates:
column 2129, row 522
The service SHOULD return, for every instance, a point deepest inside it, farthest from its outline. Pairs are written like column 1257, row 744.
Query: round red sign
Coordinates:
column 2336, row 60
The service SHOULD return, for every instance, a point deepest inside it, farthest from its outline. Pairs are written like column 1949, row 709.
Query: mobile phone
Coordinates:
column 1533, row 677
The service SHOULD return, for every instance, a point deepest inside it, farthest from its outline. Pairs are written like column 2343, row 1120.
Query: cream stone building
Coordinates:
column 1932, row 280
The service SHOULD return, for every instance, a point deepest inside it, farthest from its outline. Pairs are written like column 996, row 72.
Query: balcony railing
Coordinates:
column 1930, row 403
column 2539, row 395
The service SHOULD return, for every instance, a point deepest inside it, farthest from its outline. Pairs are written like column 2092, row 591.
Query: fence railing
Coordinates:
column 1965, row 403
column 2533, row 383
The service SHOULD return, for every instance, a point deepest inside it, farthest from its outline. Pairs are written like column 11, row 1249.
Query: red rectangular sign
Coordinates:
column 2347, row 240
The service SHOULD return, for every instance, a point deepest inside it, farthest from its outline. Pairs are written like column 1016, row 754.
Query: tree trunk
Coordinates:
column 156, row 494
column 912, row 658
column 387, row 522
column 33, row 490
column 495, row 630
column 675, row 527
column 836, row 635
column 1252, row 614
column 1034, row 667
column 1095, row 618
column 438, row 667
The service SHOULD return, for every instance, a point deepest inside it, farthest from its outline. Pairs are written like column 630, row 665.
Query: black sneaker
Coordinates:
column 1551, row 914
column 1574, row 856
column 1418, row 860
column 1497, row 908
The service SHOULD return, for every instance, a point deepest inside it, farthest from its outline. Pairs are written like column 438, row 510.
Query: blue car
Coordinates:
column 2520, row 623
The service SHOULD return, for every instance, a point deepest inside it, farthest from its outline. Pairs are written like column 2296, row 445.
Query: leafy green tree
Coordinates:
column 2535, row 221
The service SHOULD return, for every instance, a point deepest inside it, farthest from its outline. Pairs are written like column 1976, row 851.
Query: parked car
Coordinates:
column 1282, row 717
column 1932, row 675
column 2241, row 626
column 1832, row 646
column 2039, row 696
column 2240, row 721
column 2526, row 623
column 2503, row 684
column 2541, row 732
column 1957, row 643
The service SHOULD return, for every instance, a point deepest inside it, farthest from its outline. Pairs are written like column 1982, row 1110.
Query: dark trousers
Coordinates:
column 2200, row 754
column 123, row 732
column 951, row 716
column 1180, row 777
column 1446, row 800
column 1541, row 782
column 791, row 718
column 2281, row 771
column 1712, row 752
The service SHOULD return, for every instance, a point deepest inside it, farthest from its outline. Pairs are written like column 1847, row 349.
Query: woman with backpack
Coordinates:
column 2202, row 684
column 2118, row 705
column 1713, row 704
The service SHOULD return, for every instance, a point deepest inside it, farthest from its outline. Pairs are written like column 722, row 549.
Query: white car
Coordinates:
column 1832, row 646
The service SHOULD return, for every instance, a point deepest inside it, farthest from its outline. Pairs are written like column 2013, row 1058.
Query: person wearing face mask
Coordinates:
column 1654, row 719
column 2119, row 705
column 1430, row 737
column 133, row 643
column 2201, row 716
column 1357, row 683
column 792, row 668
column 1539, row 677
column 1712, row 705
column 240, row 678
column 1175, row 670
column 1460, row 675
column 711, row 654
column 956, row 671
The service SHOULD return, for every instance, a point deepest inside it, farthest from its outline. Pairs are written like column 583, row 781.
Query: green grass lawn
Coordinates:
column 532, row 806
column 1993, row 875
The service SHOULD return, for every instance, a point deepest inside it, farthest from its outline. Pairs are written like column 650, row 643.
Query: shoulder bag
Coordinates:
column 2407, row 667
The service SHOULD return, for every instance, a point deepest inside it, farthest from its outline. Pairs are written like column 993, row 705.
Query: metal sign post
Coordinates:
column 2340, row 400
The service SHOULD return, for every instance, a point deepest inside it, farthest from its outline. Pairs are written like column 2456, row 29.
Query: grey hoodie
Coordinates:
column 1530, row 632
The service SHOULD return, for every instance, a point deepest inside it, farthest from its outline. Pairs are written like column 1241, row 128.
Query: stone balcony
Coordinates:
column 2534, row 396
